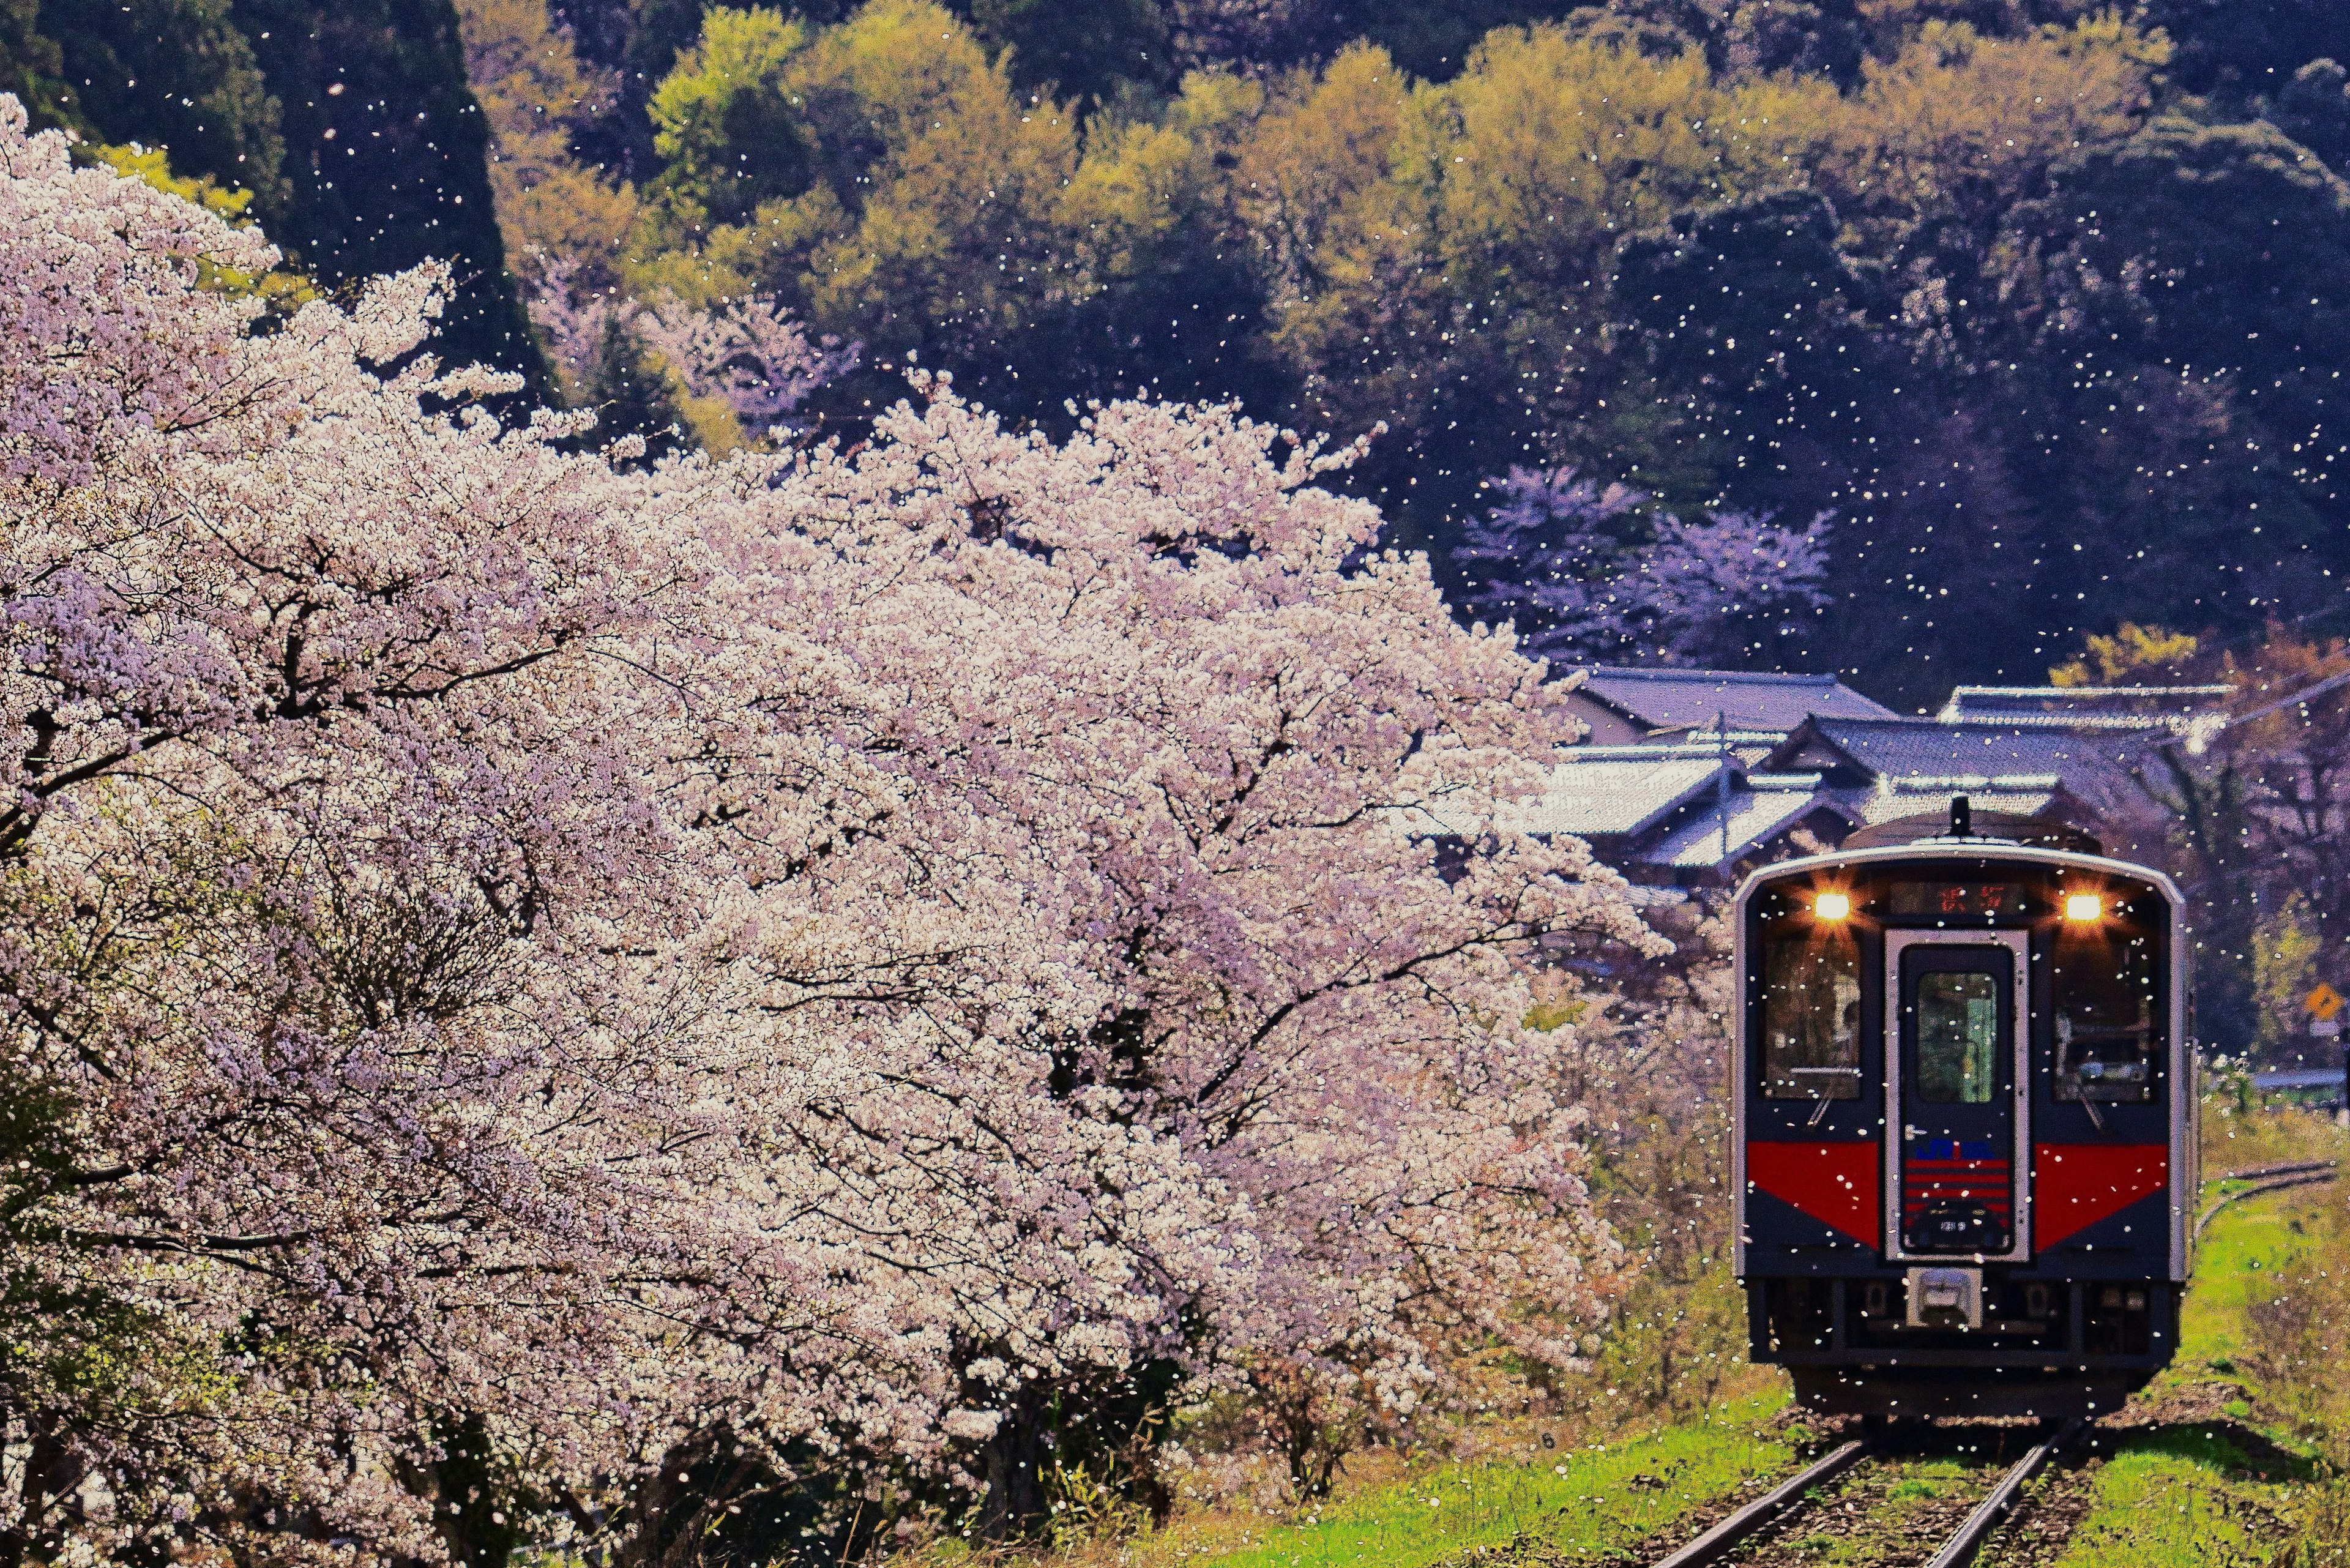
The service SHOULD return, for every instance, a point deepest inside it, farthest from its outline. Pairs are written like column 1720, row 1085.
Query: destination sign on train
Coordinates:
column 1979, row 901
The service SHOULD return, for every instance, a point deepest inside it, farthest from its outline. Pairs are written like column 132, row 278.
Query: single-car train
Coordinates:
column 1963, row 1121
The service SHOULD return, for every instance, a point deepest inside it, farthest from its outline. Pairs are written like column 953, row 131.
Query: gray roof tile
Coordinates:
column 1615, row 789
column 1665, row 698
column 2084, row 707
column 1755, row 816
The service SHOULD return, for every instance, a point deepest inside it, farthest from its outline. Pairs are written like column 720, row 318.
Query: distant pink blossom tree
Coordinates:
column 1583, row 573
column 749, row 353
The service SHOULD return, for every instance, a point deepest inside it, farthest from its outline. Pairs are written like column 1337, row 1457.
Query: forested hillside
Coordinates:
column 2033, row 302
column 2040, row 302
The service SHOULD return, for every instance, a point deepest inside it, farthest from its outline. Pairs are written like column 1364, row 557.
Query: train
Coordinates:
column 1964, row 1123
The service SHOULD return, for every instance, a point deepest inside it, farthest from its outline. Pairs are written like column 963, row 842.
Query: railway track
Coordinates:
column 1728, row 1540
column 1761, row 1526
column 2268, row 1179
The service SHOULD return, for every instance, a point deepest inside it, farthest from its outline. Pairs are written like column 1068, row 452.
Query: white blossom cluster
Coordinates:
column 747, row 353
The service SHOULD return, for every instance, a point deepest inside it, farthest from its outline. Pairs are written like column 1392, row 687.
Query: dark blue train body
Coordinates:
column 1964, row 1126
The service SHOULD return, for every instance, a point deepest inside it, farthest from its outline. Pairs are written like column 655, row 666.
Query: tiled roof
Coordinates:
column 2084, row 707
column 1615, row 789
column 1933, row 754
column 1696, row 699
column 2022, row 797
column 1755, row 816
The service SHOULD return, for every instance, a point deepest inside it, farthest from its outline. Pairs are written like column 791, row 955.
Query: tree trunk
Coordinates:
column 1017, row 1455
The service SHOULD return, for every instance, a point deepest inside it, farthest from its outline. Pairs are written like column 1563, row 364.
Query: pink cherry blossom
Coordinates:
column 1582, row 574
column 504, row 947
column 748, row 353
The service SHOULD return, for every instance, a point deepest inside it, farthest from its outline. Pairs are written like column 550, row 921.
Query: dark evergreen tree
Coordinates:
column 2314, row 110
column 174, row 74
column 31, row 65
column 386, row 162
column 630, row 396
column 639, row 42
column 1083, row 52
column 2253, row 46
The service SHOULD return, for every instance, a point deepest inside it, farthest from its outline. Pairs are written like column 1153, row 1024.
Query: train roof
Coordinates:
column 1973, row 846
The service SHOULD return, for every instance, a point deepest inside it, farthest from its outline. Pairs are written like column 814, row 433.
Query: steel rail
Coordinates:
column 2259, row 1172
column 1960, row 1549
column 2270, row 1179
column 1718, row 1542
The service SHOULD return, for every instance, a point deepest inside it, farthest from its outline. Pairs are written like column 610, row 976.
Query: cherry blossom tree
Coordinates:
column 748, row 354
column 531, row 977
column 1167, row 665
column 323, row 716
column 1586, row 572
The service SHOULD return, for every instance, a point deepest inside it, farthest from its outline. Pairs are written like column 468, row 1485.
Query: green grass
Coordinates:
column 1588, row 1500
column 2206, row 1494
column 2179, row 1497
column 1928, row 1479
column 2245, row 1241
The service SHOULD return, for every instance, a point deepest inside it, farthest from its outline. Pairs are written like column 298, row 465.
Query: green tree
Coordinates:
column 32, row 66
column 2288, row 958
column 882, row 175
column 175, row 75
column 629, row 394
column 725, row 124
column 1162, row 293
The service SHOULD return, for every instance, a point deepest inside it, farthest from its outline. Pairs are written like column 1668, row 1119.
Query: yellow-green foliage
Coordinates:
column 2240, row 1137
column 1145, row 188
column 1675, row 1342
column 1554, row 146
column 2286, row 953
column 887, row 178
column 741, row 58
column 898, row 176
column 150, row 166
column 1960, row 117
column 532, row 87
column 2131, row 647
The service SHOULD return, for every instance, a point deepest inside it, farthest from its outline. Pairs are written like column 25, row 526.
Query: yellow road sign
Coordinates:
column 2322, row 1003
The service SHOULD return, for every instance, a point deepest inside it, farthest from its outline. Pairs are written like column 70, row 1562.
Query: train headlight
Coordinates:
column 2085, row 907
column 1832, row 907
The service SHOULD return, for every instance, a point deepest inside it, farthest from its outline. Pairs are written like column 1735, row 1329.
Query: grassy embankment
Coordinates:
column 1579, row 1503
column 2225, row 1460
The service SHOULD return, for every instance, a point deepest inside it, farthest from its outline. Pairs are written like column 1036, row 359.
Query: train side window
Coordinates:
column 2102, row 986
column 1811, row 1016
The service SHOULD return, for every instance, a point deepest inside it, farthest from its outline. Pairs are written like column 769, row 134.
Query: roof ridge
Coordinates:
column 1756, row 677
column 1956, row 722
column 2086, row 690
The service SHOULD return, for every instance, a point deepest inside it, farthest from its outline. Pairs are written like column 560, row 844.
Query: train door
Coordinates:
column 1953, row 1094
